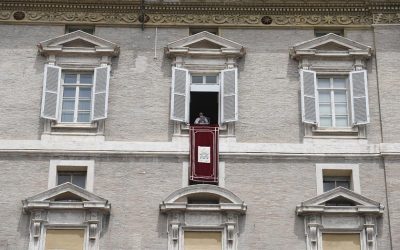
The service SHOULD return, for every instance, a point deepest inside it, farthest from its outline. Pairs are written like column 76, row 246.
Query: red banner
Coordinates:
column 204, row 154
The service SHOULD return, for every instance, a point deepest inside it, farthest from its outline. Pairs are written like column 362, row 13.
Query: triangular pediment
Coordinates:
column 78, row 41
column 330, row 45
column 204, row 43
column 340, row 200
column 68, row 195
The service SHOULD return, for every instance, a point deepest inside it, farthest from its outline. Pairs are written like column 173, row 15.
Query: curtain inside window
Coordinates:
column 64, row 239
column 203, row 241
column 341, row 242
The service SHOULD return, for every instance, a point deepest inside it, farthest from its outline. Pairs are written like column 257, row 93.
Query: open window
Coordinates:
column 75, row 90
column 334, row 86
column 66, row 217
column 341, row 219
column 204, row 79
column 203, row 215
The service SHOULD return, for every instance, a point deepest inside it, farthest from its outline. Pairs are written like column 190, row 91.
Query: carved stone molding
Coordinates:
column 237, row 13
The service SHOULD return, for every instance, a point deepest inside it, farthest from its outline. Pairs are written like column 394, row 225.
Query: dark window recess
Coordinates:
column 206, row 102
column 193, row 31
column 332, row 182
column 72, row 28
column 77, row 178
column 318, row 33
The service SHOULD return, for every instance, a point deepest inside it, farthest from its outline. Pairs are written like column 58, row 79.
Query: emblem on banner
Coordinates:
column 203, row 154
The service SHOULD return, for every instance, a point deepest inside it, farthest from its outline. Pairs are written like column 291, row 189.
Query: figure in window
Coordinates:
column 202, row 119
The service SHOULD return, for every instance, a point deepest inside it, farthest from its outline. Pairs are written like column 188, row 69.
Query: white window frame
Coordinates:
column 78, row 165
column 331, row 90
column 355, row 175
column 77, row 86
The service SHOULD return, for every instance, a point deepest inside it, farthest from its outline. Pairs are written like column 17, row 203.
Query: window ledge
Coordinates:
column 75, row 125
column 222, row 127
column 349, row 132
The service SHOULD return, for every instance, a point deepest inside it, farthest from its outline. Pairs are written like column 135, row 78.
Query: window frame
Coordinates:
column 354, row 177
column 79, row 165
column 76, row 99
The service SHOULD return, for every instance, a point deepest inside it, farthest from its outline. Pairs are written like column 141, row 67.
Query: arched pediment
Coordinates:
column 204, row 44
column 330, row 45
column 78, row 42
column 185, row 198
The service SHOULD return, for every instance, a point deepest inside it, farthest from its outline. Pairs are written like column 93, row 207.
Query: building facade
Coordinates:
column 99, row 150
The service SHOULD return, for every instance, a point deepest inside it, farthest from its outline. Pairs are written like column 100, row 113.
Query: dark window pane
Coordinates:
column 86, row 78
column 70, row 78
column 63, row 178
column 79, row 180
column 345, row 184
column 85, row 92
column 329, row 185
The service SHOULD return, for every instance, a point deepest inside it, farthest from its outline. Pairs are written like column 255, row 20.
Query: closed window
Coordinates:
column 332, row 241
column 332, row 182
column 198, row 240
column 76, row 97
column 334, row 101
column 65, row 239
column 75, row 177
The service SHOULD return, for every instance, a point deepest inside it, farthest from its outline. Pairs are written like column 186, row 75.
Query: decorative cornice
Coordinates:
column 185, row 13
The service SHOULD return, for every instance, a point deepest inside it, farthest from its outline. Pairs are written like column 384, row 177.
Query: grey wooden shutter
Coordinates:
column 100, row 92
column 180, row 95
column 309, row 96
column 229, row 97
column 51, row 90
column 359, row 97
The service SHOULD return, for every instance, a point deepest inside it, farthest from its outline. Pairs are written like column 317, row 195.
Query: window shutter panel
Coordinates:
column 359, row 97
column 229, row 98
column 100, row 93
column 309, row 96
column 179, row 95
column 51, row 90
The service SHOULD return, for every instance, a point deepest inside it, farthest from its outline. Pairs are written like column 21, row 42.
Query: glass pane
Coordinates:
column 325, row 109
column 67, row 117
column 63, row 178
column 79, row 180
column 197, row 79
column 85, row 92
column 84, row 105
column 69, row 92
column 341, row 109
column 342, row 121
column 340, row 96
column 68, row 105
column 345, row 184
column 86, row 78
column 324, row 96
column 324, row 83
column 329, row 185
column 83, row 117
column 339, row 83
column 211, row 79
column 325, row 121
column 70, row 78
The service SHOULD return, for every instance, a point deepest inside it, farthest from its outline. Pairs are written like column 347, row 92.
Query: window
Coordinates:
column 200, row 240
column 76, row 97
column 72, row 28
column 323, row 32
column 190, row 90
column 333, row 102
column 331, row 176
column 77, row 178
column 327, row 100
column 333, row 241
column 77, row 172
column 193, row 31
column 66, row 239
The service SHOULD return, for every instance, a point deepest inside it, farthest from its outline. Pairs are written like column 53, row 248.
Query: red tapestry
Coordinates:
column 204, row 153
